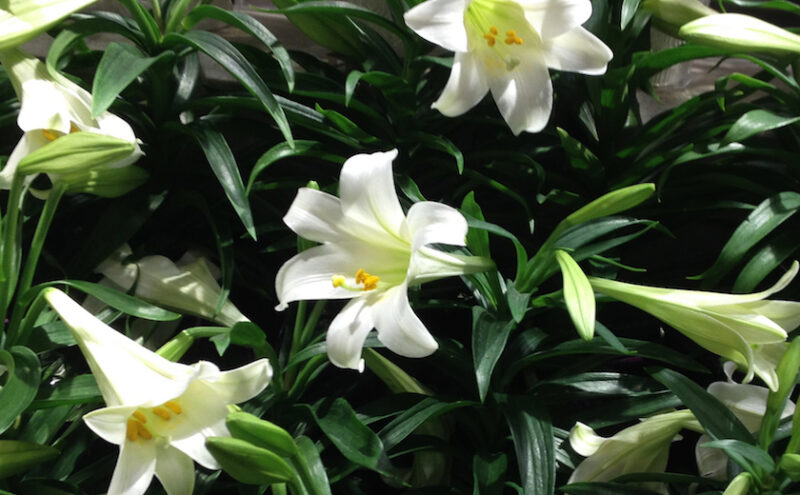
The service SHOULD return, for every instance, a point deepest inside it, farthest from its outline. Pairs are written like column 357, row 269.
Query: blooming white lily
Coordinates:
column 188, row 286
column 744, row 328
column 371, row 253
column 506, row 47
column 641, row 448
column 158, row 412
column 51, row 108
column 21, row 20
column 749, row 404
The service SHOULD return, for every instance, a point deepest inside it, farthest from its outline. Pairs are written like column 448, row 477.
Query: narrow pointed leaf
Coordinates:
column 489, row 337
column 24, row 372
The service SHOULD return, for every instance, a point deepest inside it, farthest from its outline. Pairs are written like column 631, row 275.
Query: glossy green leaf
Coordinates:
column 489, row 337
column 78, row 389
column 748, row 456
column 121, row 301
column 415, row 416
column 284, row 150
column 489, row 473
column 718, row 421
column 522, row 257
column 578, row 295
column 226, row 55
column 16, row 457
column 580, row 157
column 145, row 21
column 119, row 67
column 309, row 466
column 532, row 434
column 755, row 122
column 787, row 372
column 767, row 257
column 605, row 488
column 629, row 9
column 24, row 373
column 440, row 143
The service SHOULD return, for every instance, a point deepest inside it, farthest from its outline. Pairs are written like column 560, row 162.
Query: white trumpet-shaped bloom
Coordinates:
column 744, row 328
column 52, row 107
column 371, row 253
column 506, row 47
column 187, row 286
column 158, row 412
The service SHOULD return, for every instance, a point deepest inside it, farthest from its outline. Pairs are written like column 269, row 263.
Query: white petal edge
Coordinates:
column 109, row 423
column 525, row 97
column 551, row 18
column 315, row 215
column 465, row 88
column 577, row 50
column 440, row 22
column 175, row 471
column 429, row 222
column 135, row 468
column 347, row 333
column 243, row 383
column 399, row 328
column 195, row 445
column 584, row 440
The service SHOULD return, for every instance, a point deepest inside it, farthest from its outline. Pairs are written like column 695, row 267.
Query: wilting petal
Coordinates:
column 135, row 468
column 399, row 328
column 430, row 223
column 577, row 50
column 551, row 18
column 526, row 96
column 175, row 471
column 465, row 88
column 315, row 215
column 440, row 22
column 347, row 333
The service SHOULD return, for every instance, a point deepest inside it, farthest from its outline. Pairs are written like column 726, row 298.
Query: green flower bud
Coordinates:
column 75, row 152
column 104, row 182
column 262, row 433
column 741, row 33
column 672, row 14
column 247, row 463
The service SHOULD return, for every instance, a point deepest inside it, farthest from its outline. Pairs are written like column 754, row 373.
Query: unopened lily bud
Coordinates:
column 742, row 33
column 740, row 485
column 672, row 14
column 261, row 433
column 104, row 182
column 790, row 463
column 75, row 152
column 247, row 463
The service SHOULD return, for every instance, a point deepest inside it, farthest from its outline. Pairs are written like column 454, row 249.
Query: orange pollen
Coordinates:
column 143, row 431
column 371, row 282
column 493, row 30
column 161, row 413
column 489, row 39
column 141, row 417
column 49, row 135
column 132, row 430
column 73, row 128
column 173, row 406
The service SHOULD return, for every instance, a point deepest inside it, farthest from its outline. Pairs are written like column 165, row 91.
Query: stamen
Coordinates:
column 338, row 280
column 371, row 282
column 141, row 417
column 73, row 128
column 489, row 39
column 161, row 413
column 132, row 430
column 173, row 406
column 361, row 275
column 493, row 30
column 142, row 431
column 512, row 38
column 49, row 135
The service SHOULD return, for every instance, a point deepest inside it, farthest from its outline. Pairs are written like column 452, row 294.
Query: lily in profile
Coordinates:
column 744, row 328
column 55, row 107
column 371, row 253
column 159, row 412
column 22, row 20
column 188, row 286
column 506, row 47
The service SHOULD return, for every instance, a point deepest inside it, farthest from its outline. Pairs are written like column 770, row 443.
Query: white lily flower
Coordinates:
column 158, row 412
column 506, row 47
column 744, row 328
column 371, row 253
column 641, row 448
column 22, row 20
column 52, row 107
column 749, row 404
column 188, row 286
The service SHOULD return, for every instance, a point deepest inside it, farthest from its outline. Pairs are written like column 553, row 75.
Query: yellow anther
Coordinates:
column 493, row 30
column 173, row 406
column 338, row 280
column 132, row 430
column 73, row 128
column 511, row 33
column 371, row 282
column 49, row 135
column 517, row 40
column 489, row 39
column 141, row 417
column 142, row 431
column 361, row 275
column 161, row 413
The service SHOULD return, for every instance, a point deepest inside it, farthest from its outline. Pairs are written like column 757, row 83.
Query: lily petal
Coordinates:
column 577, row 50
column 109, row 422
column 347, row 333
column 195, row 445
column 428, row 264
column 440, row 22
column 399, row 328
column 315, row 215
column 429, row 222
column 29, row 142
column 465, row 88
column 243, row 383
column 584, row 440
column 175, row 471
column 551, row 18
column 135, row 468
column 525, row 98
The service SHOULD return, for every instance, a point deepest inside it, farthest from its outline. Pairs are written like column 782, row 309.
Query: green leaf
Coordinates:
column 764, row 219
column 284, row 150
column 767, row 258
column 489, row 473
column 146, row 23
column 412, row 418
column 309, row 466
column 532, row 434
column 489, row 337
column 24, row 374
column 16, row 457
column 787, row 372
column 78, row 389
column 605, row 488
column 120, row 66
column 580, row 157
column 755, row 122
column 440, row 143
column 522, row 257
column 226, row 55
column 718, row 421
column 578, row 295
column 629, row 8
column 223, row 164
column 249, row 25
column 121, row 301
column 750, row 457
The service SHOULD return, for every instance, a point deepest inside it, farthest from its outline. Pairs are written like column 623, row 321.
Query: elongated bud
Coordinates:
column 104, row 182
column 261, row 433
column 22, row 21
column 740, row 485
column 670, row 15
column 790, row 464
column 247, row 463
column 741, row 33
column 75, row 152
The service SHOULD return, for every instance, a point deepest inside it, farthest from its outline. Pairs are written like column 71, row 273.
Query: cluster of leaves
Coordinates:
column 490, row 412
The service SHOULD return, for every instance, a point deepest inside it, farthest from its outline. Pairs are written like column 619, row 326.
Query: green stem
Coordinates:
column 305, row 375
column 18, row 331
column 11, row 247
column 157, row 13
column 179, row 344
column 37, row 243
column 397, row 380
column 311, row 323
